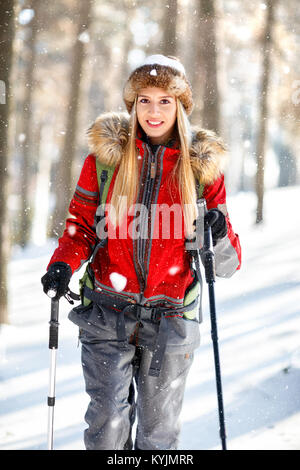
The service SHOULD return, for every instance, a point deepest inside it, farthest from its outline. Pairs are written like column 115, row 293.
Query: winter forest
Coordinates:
column 63, row 63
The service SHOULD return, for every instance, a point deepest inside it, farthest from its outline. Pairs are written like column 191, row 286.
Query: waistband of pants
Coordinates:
column 156, row 314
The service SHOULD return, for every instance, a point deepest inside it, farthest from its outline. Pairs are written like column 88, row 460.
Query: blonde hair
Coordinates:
column 126, row 183
column 184, row 172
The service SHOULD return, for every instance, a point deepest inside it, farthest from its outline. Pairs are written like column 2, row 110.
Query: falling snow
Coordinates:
column 258, row 329
column 72, row 230
column 173, row 270
column 118, row 281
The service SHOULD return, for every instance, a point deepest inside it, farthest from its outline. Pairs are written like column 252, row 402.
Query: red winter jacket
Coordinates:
column 157, row 267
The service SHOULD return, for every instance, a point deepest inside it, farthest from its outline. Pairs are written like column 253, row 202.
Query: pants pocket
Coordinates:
column 95, row 319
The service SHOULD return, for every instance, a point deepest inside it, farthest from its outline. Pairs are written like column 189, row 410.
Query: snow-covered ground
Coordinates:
column 258, row 313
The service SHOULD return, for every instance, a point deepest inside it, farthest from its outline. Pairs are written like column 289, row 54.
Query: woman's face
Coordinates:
column 156, row 113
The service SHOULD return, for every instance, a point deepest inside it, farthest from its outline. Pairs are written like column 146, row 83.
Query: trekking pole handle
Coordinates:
column 201, row 209
column 194, row 243
column 53, row 330
column 208, row 253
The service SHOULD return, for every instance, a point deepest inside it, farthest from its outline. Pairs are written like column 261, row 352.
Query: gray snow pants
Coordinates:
column 120, row 389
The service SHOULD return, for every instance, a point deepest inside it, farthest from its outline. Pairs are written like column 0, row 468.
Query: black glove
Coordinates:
column 215, row 219
column 57, row 277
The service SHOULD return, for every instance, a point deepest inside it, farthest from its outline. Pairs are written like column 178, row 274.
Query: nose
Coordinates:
column 154, row 109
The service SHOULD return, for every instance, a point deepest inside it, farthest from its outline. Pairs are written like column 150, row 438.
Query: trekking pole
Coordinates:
column 209, row 267
column 53, row 344
column 202, row 244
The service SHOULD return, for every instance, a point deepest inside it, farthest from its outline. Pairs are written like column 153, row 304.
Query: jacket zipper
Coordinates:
column 146, row 199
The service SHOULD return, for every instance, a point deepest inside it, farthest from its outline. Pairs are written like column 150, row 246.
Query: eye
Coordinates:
column 165, row 101
column 143, row 100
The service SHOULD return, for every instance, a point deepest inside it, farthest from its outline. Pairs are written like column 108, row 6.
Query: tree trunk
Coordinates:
column 64, row 183
column 208, row 65
column 190, row 41
column 27, row 126
column 128, row 44
column 263, row 109
column 169, row 40
column 6, row 46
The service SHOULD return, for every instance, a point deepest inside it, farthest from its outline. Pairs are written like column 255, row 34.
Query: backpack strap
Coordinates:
column 199, row 189
column 104, row 177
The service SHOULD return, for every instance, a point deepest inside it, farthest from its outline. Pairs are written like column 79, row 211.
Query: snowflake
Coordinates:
column 118, row 281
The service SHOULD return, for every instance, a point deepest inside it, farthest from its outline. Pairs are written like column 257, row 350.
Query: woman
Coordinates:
column 138, row 319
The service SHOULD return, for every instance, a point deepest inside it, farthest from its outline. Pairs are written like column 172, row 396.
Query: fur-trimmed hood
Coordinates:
column 108, row 136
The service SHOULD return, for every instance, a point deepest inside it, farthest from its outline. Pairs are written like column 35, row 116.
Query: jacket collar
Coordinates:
column 172, row 143
column 108, row 136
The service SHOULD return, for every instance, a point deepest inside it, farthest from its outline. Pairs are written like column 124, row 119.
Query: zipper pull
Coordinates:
column 152, row 174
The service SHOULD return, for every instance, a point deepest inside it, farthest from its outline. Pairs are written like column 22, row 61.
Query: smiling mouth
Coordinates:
column 154, row 124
